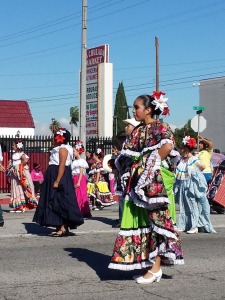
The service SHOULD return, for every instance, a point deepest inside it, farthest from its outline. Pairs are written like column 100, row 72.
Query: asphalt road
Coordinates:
column 36, row 266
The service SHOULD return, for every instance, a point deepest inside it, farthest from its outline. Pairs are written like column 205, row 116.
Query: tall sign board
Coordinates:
column 95, row 56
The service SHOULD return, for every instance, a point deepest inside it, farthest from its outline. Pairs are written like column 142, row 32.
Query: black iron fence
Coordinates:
column 38, row 149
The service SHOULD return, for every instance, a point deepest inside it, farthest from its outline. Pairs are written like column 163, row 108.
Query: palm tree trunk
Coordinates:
column 71, row 129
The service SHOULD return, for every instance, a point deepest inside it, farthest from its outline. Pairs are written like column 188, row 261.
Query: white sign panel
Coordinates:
column 198, row 123
column 92, row 74
column 95, row 56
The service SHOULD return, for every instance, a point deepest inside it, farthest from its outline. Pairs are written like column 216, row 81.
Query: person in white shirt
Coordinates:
column 78, row 166
column 58, row 205
column 22, row 189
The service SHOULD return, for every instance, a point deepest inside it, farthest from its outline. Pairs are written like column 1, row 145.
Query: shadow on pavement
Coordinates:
column 108, row 221
column 99, row 263
column 33, row 228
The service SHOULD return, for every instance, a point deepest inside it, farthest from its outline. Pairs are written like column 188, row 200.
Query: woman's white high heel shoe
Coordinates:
column 135, row 277
column 155, row 277
column 193, row 230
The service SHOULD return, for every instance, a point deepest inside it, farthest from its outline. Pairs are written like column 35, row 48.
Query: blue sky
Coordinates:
column 40, row 51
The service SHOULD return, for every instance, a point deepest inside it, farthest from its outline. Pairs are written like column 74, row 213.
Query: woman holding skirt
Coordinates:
column 79, row 165
column 22, row 189
column 98, row 189
column 190, row 191
column 58, row 206
column 148, row 236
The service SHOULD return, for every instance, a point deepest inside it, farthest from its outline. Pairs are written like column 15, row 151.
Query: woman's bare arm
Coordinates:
column 164, row 151
column 63, row 152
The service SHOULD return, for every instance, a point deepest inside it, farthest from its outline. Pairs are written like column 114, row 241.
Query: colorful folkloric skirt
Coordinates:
column 82, row 197
column 143, row 236
column 100, row 192
column 22, row 190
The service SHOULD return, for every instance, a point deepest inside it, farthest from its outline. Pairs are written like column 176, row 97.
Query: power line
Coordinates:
column 128, row 68
column 167, row 82
column 53, row 22
column 64, row 28
column 129, row 28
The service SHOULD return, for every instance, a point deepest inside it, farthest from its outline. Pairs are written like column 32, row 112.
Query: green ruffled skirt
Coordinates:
column 169, row 180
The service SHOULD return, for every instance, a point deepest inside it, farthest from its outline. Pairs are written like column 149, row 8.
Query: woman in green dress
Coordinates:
column 148, row 236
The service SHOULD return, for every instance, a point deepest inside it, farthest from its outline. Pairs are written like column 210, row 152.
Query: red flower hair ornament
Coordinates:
column 59, row 135
column 160, row 102
column 79, row 147
column 191, row 142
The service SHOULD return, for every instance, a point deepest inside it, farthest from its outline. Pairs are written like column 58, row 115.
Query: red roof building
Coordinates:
column 15, row 115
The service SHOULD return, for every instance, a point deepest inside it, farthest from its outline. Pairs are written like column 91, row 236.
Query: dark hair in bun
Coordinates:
column 147, row 102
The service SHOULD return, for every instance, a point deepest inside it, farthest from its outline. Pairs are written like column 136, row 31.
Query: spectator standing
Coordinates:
column 205, row 154
column 37, row 177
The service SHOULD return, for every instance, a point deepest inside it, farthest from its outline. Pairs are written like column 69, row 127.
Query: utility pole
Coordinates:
column 156, row 66
column 82, row 132
column 198, row 112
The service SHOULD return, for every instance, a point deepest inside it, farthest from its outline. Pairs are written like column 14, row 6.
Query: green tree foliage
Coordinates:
column 74, row 114
column 54, row 126
column 121, row 110
column 180, row 133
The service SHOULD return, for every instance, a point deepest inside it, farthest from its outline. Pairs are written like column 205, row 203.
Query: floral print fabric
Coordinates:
column 100, row 191
column 139, row 242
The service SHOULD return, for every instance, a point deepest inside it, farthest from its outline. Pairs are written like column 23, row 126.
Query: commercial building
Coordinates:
column 212, row 96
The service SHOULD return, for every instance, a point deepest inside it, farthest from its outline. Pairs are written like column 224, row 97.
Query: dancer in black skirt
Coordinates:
column 58, row 206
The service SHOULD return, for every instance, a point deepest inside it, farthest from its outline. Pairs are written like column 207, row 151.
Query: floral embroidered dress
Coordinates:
column 147, row 229
column 190, row 192
column 22, row 188
column 99, row 191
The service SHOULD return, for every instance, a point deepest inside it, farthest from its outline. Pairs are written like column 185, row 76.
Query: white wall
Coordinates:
column 212, row 96
column 105, row 100
column 13, row 131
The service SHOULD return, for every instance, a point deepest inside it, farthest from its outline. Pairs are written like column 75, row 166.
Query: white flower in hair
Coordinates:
column 99, row 150
column 78, row 146
column 19, row 145
column 160, row 101
column 186, row 139
column 61, row 131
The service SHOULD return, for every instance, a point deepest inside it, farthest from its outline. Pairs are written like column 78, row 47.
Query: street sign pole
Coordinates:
column 198, row 112
column 198, row 132
column 198, row 123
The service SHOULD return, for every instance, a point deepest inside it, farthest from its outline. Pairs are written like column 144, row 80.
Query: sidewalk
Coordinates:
column 20, row 224
column 4, row 198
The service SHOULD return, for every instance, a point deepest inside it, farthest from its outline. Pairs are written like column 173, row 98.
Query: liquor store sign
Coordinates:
column 95, row 56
